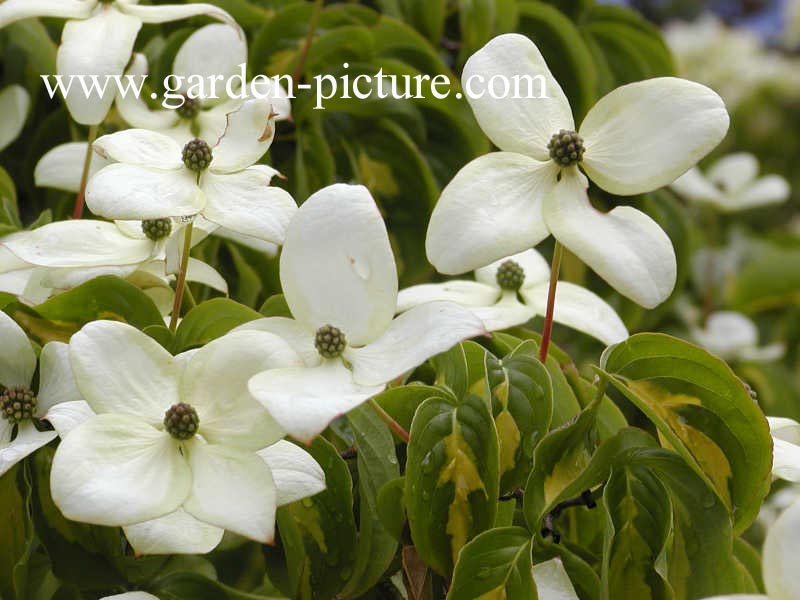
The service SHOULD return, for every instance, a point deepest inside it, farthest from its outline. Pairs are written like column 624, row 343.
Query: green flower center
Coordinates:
column 157, row 229
column 17, row 404
column 197, row 155
column 330, row 341
column 566, row 148
column 181, row 421
column 510, row 276
column 189, row 109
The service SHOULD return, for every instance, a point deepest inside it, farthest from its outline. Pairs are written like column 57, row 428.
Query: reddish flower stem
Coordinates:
column 558, row 252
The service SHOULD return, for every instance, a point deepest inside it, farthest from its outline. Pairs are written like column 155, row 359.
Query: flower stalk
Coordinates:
column 558, row 253
column 77, row 212
column 180, row 286
column 387, row 418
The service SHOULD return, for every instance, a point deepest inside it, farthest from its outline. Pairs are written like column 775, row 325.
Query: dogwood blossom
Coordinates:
column 131, row 596
column 214, row 51
column 61, row 255
column 733, row 336
column 14, row 105
column 636, row 139
column 732, row 184
column 97, row 40
column 154, row 179
column 295, row 472
column 170, row 433
column 340, row 281
column 494, row 297
column 19, row 405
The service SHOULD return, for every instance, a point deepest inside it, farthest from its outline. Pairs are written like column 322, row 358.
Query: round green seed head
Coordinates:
column 181, row 421
column 17, row 404
column 566, row 148
column 197, row 155
column 510, row 276
column 157, row 229
column 189, row 109
column 329, row 341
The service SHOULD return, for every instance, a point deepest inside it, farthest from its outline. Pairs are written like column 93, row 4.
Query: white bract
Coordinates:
column 58, row 256
column 97, row 41
column 733, row 336
column 500, row 308
column 19, row 437
column 638, row 138
column 131, row 596
column 785, row 448
column 14, row 104
column 176, row 438
column 732, row 184
column 150, row 179
column 337, row 270
column 61, row 168
column 211, row 56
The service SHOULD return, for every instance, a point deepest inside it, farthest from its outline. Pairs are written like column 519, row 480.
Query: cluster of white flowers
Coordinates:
column 178, row 449
column 733, row 61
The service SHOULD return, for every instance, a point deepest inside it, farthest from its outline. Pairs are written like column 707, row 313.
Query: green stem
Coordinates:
column 558, row 252
column 77, row 212
column 180, row 286
column 387, row 418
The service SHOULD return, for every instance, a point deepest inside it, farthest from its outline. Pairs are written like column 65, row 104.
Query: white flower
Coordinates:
column 151, row 179
column 19, row 437
column 98, row 40
column 340, row 281
column 732, row 184
column 294, row 471
column 732, row 60
column 779, row 560
column 785, row 448
column 14, row 104
column 61, row 255
column 211, row 51
column 174, row 439
column 500, row 307
column 638, row 138
column 552, row 581
column 131, row 596
column 733, row 336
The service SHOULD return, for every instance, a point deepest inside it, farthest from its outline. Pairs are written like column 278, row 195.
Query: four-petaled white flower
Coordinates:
column 97, row 41
column 636, row 139
column 733, row 336
column 732, row 184
column 213, row 53
column 14, row 104
column 495, row 298
column 58, row 256
column 19, row 405
column 154, row 178
column 340, row 281
column 174, row 439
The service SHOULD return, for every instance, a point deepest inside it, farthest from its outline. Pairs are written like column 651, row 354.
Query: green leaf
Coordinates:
column 494, row 566
column 317, row 535
column 16, row 533
column 193, row 586
column 392, row 507
column 106, row 297
column 210, row 320
column 426, row 16
column 402, row 402
column 452, row 479
column 522, row 406
column 377, row 466
column 668, row 534
column 769, row 279
column 703, row 411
